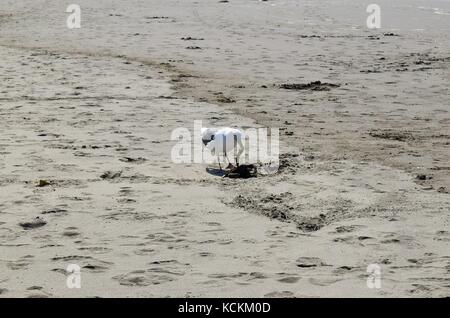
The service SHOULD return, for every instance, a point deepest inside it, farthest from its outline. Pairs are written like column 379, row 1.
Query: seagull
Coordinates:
column 221, row 141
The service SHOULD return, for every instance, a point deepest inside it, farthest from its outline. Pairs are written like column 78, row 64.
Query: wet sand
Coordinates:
column 365, row 175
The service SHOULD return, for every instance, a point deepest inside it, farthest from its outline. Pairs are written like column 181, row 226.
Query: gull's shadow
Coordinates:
column 216, row 172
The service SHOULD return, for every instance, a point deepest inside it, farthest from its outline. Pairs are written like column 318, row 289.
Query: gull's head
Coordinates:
column 207, row 134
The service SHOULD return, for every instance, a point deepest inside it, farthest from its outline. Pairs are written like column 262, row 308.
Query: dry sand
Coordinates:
column 91, row 111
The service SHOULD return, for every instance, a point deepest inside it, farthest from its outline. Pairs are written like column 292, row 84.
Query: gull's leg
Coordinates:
column 218, row 160
column 241, row 150
column 226, row 156
column 230, row 166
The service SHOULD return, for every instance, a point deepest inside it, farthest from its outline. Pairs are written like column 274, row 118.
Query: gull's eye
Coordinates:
column 212, row 137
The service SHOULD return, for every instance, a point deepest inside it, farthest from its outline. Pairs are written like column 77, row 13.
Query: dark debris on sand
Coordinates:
column 289, row 163
column 242, row 172
column 392, row 135
column 281, row 207
column 37, row 222
column 133, row 160
column 193, row 47
column 110, row 175
column 190, row 38
column 313, row 86
column 309, row 262
column 43, row 183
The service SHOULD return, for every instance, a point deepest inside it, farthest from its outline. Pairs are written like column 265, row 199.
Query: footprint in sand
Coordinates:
column 71, row 232
column 354, row 239
column 87, row 263
column 306, row 262
column 405, row 240
column 21, row 264
column 323, row 281
column 280, row 294
column 348, row 228
column 160, row 272
column 142, row 278
column 95, row 249
column 289, row 279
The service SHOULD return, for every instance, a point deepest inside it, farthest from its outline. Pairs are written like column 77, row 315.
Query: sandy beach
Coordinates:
column 87, row 178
